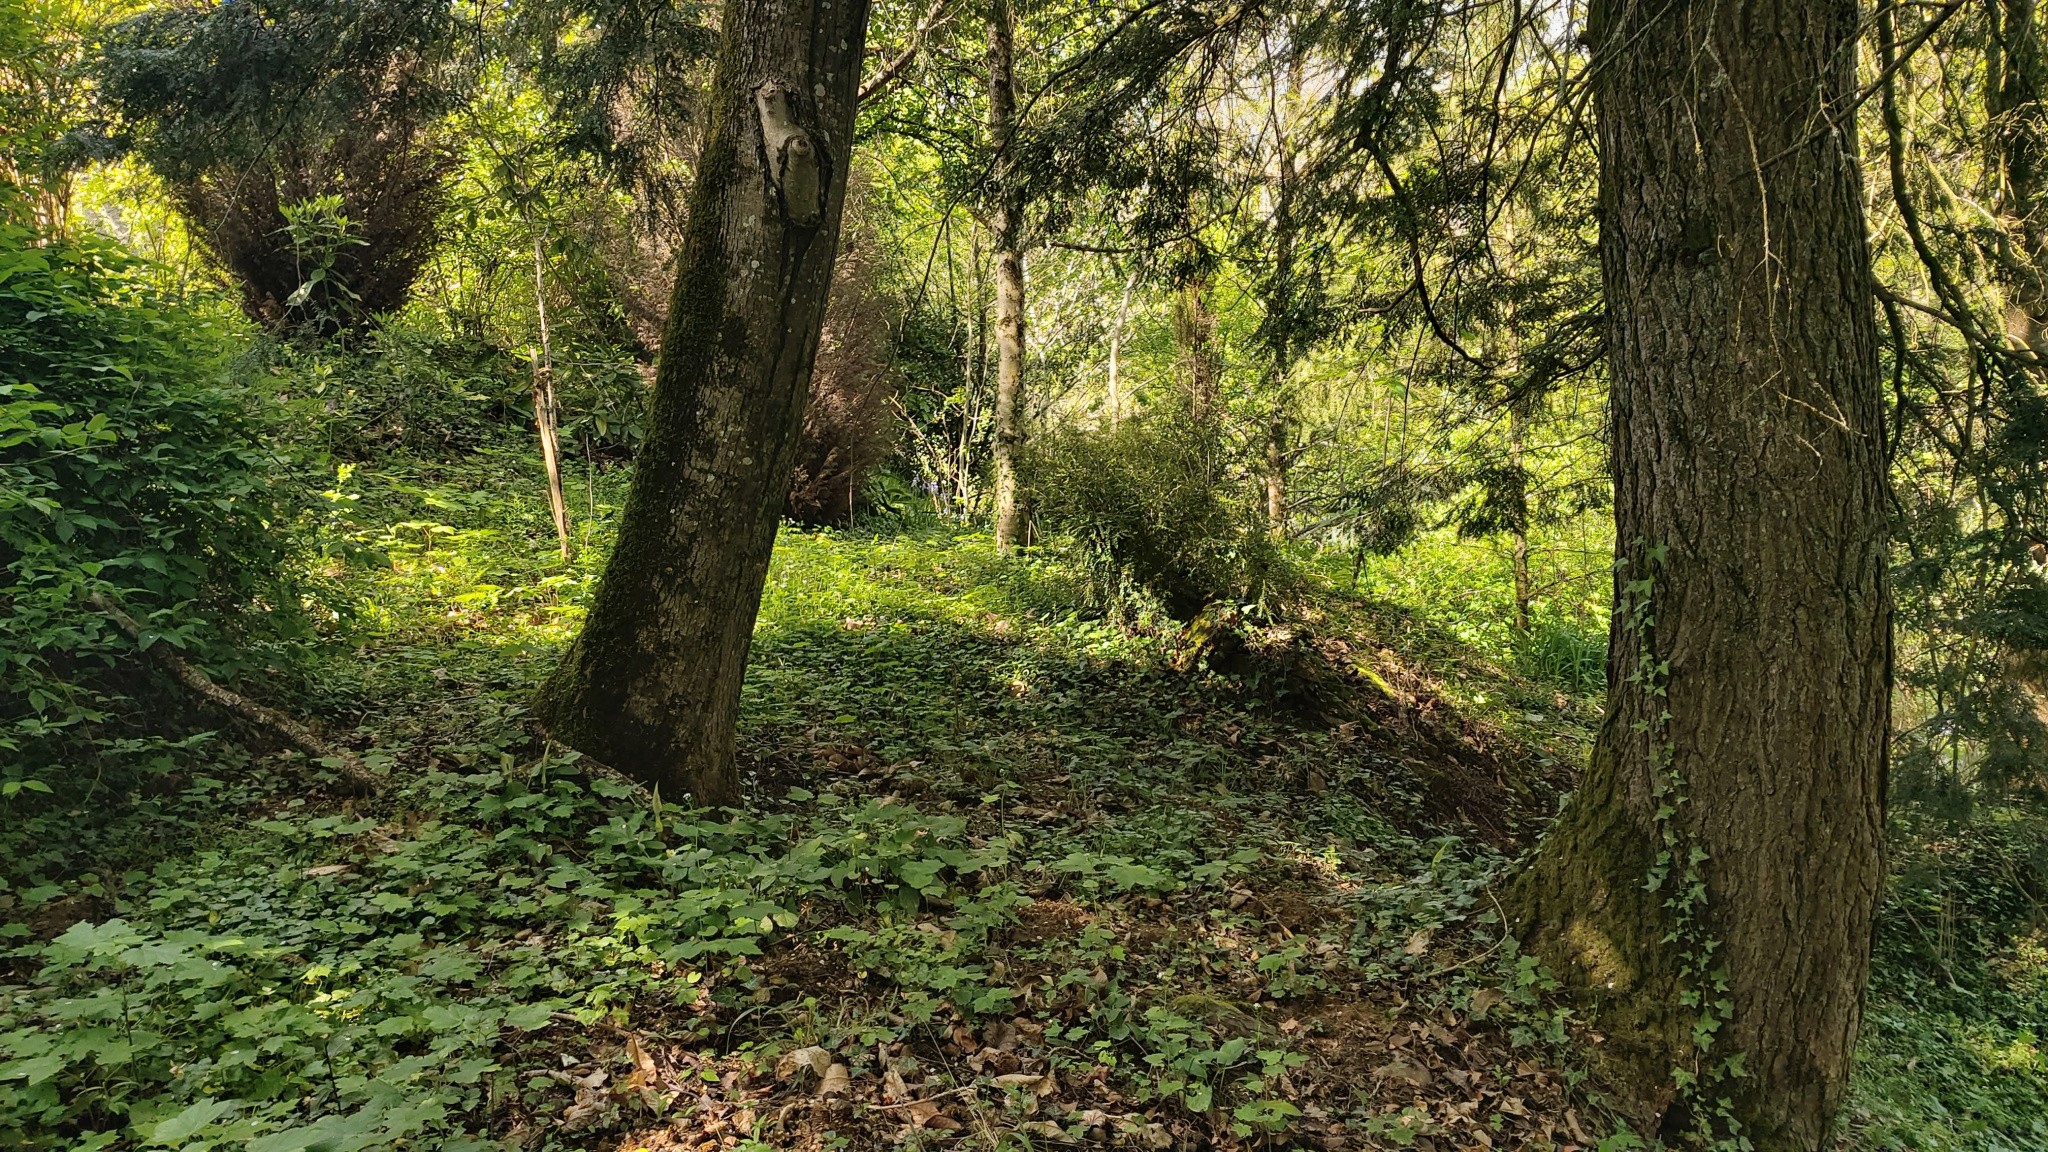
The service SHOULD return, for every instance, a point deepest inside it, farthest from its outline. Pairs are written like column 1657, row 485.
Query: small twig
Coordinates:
column 298, row 734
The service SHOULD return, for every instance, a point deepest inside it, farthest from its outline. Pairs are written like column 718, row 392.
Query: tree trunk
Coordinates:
column 545, row 417
column 1116, row 347
column 2017, row 80
column 1005, row 223
column 1280, row 306
column 1718, row 871
column 1518, row 530
column 1195, row 328
column 652, row 685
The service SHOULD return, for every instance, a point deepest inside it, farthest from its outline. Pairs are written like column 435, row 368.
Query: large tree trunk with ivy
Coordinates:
column 1006, row 223
column 652, row 685
column 1712, row 885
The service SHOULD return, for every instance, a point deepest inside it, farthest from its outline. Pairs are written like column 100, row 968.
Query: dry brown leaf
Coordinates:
column 1418, row 943
column 1406, row 1071
column 1486, row 1000
column 645, row 1075
column 837, row 1081
column 326, row 870
column 1034, row 1083
column 813, row 1059
column 638, row 1054
column 925, row 1114
column 1153, row 1136
column 894, row 1088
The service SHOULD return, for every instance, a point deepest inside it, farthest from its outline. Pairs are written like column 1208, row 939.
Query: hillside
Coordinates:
column 1016, row 876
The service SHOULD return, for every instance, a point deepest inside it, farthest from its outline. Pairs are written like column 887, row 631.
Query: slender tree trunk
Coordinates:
column 1721, row 864
column 652, row 685
column 1005, row 224
column 1116, row 347
column 545, row 417
column 2017, row 81
column 1518, row 531
column 1195, row 327
column 977, row 387
column 1280, row 308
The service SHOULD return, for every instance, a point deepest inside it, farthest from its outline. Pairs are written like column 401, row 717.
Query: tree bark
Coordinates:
column 652, row 685
column 1005, row 224
column 1741, row 764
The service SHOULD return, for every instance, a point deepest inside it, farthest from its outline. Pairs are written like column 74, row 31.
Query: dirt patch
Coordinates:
column 1043, row 920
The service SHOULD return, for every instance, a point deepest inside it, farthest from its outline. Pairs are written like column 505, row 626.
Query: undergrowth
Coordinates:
column 1012, row 877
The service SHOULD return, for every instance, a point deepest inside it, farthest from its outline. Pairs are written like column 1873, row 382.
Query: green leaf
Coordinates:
column 178, row 1129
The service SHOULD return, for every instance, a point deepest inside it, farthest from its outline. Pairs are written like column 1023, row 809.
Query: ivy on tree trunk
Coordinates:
column 1712, row 885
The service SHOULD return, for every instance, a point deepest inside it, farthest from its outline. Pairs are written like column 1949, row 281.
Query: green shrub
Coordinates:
column 1150, row 504
column 129, row 467
column 1951, row 1055
column 435, row 391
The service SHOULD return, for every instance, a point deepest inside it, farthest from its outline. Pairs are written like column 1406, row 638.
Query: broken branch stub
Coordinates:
column 792, row 157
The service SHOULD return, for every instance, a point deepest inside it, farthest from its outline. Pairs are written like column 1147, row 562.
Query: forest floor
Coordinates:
column 1014, row 876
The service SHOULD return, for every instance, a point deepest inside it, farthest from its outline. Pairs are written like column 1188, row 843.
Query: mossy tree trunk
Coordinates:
column 1749, row 663
column 652, row 685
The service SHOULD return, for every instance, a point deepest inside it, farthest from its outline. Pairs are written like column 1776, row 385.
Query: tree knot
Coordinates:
column 792, row 157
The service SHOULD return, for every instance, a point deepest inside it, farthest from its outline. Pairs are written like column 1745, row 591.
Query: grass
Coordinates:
column 1011, row 879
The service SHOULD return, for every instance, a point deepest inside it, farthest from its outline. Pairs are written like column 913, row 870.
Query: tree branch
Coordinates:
column 294, row 732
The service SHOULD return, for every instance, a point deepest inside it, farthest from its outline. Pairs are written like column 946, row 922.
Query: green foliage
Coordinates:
column 130, row 466
column 44, row 102
column 319, row 980
column 1149, row 505
column 1952, row 1054
column 253, row 111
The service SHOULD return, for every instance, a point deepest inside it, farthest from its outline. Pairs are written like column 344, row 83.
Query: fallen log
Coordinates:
column 294, row 732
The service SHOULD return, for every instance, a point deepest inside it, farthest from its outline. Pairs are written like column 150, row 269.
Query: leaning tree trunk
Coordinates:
column 1005, row 225
column 652, row 685
column 1717, row 874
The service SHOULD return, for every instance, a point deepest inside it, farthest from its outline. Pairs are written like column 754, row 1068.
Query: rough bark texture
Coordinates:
column 1005, row 223
column 1747, row 444
column 652, row 685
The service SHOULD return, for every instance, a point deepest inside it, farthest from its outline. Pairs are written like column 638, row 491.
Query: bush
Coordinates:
column 128, row 468
column 1149, row 504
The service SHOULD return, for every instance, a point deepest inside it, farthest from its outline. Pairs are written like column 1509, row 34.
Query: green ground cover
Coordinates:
column 1017, row 875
